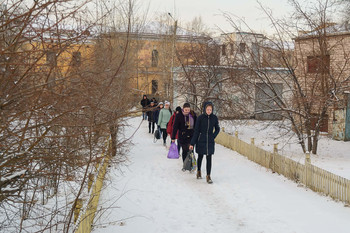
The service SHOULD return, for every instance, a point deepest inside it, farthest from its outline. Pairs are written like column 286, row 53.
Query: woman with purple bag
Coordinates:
column 169, row 128
column 184, row 124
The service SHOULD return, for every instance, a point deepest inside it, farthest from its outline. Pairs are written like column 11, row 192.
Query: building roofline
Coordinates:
column 156, row 36
column 275, row 69
column 329, row 30
column 243, row 33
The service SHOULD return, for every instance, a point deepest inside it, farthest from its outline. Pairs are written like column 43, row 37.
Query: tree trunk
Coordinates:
column 113, row 131
column 315, row 142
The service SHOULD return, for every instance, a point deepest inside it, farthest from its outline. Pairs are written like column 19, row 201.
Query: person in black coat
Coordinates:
column 151, row 117
column 184, row 123
column 144, row 103
column 206, row 130
column 154, row 101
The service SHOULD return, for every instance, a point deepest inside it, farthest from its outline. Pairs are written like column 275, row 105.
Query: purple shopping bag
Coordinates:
column 173, row 152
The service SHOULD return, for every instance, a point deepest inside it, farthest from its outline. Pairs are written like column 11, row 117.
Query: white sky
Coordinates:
column 211, row 11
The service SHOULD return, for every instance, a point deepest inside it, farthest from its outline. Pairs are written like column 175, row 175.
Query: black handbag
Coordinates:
column 157, row 134
column 188, row 162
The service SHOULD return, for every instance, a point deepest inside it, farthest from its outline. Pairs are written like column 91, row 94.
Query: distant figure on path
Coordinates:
column 163, row 119
column 144, row 103
column 151, row 117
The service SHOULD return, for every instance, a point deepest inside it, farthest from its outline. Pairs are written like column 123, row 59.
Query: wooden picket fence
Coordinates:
column 85, row 219
column 315, row 178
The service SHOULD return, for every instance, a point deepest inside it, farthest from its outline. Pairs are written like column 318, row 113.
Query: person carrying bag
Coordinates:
column 184, row 124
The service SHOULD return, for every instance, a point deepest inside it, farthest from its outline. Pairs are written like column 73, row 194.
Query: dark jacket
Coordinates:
column 151, row 114
column 204, row 133
column 145, row 103
column 184, row 134
column 156, row 114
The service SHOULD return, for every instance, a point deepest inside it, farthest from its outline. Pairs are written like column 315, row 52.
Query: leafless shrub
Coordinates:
column 63, row 92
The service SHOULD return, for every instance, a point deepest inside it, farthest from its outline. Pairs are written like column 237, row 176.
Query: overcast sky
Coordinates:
column 211, row 11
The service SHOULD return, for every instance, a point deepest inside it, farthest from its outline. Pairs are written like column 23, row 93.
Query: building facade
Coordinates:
column 323, row 70
column 156, row 56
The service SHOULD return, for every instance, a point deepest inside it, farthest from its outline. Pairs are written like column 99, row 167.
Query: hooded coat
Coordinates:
column 145, row 102
column 205, row 132
column 151, row 113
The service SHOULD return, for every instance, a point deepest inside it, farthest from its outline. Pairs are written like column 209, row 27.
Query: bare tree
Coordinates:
column 346, row 12
column 63, row 92
column 304, row 89
column 207, row 71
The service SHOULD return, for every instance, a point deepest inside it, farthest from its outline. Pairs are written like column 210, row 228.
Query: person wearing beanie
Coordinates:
column 184, row 124
column 205, row 132
column 163, row 119
column 156, row 113
column 154, row 101
column 169, row 129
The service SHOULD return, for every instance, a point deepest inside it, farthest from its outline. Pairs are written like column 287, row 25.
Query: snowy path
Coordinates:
column 154, row 195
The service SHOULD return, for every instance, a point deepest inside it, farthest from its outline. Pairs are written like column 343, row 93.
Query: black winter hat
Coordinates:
column 178, row 109
column 186, row 105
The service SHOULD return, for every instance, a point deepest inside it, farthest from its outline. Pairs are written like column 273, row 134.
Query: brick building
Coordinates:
column 157, row 55
column 323, row 69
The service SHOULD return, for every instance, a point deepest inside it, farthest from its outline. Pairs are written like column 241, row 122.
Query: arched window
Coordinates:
column 154, row 58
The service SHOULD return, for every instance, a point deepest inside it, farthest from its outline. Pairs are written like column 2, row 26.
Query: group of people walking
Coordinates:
column 189, row 130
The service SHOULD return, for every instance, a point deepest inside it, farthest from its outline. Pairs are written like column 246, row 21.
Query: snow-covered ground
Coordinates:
column 332, row 155
column 153, row 195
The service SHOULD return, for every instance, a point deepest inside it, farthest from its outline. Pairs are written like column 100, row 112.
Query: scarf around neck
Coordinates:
column 189, row 121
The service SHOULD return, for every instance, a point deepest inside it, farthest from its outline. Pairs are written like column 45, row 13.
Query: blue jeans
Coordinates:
column 144, row 115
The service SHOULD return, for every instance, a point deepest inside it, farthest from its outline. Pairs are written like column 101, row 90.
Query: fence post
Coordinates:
column 77, row 208
column 275, row 148
column 251, row 157
column 236, row 142
column 275, row 151
column 307, row 169
column 307, row 158
column 348, row 199
column 91, row 180
column 225, row 140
